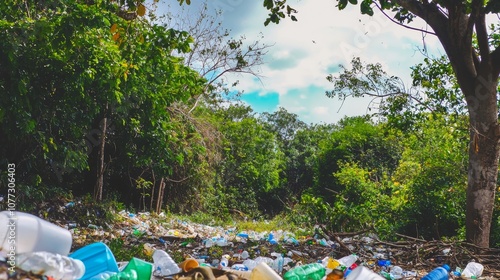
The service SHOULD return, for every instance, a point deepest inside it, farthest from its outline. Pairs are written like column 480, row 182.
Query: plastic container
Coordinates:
column 188, row 264
column 363, row 273
column 33, row 234
column 264, row 272
column 313, row 271
column 164, row 265
column 440, row 273
column 347, row 261
column 49, row 264
column 396, row 272
column 103, row 275
column 251, row 264
column 335, row 274
column 97, row 258
column 138, row 267
column 473, row 269
column 244, row 255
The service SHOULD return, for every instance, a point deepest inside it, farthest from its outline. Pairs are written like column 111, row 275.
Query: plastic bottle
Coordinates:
column 33, row 234
column 224, row 262
column 263, row 272
column 473, row 269
column 313, row 271
column 440, row 273
column 163, row 264
column 251, row 264
column 396, row 272
column 278, row 262
column 244, row 255
column 103, row 275
column 54, row 265
column 347, row 261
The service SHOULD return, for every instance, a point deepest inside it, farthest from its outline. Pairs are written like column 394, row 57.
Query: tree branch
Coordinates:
column 482, row 34
column 495, row 60
column 398, row 23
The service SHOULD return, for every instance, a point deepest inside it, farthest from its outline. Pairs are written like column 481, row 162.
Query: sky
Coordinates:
column 306, row 51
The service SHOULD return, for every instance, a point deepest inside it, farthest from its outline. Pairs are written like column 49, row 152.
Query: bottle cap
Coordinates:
column 447, row 267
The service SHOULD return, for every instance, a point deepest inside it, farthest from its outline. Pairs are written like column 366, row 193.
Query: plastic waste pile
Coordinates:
column 45, row 251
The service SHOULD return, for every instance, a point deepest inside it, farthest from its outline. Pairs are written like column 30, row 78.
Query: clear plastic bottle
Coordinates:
column 164, row 265
column 439, row 273
column 347, row 261
column 54, row 265
column 250, row 264
column 244, row 255
column 278, row 262
column 473, row 269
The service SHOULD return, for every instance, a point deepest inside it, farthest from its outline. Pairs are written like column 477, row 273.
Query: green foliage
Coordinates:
column 126, row 253
column 434, row 185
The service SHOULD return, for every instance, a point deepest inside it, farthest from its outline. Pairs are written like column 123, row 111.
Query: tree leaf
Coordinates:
column 113, row 28
column 354, row 2
column 342, row 4
column 141, row 9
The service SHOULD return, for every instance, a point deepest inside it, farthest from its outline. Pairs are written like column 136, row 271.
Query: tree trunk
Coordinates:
column 484, row 153
column 100, row 170
column 161, row 190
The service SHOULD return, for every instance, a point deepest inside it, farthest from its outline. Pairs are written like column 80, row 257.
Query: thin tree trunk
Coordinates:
column 100, row 171
column 152, row 191
column 484, row 153
column 161, row 189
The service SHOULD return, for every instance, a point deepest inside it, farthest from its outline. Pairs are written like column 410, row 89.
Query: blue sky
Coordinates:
column 305, row 52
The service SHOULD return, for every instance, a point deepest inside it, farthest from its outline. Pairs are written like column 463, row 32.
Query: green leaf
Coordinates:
column 354, row 2
column 342, row 4
column 366, row 8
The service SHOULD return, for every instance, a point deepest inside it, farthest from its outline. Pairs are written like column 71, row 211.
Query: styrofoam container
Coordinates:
column 363, row 273
column 32, row 234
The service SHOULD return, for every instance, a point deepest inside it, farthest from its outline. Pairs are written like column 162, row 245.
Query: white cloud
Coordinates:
column 305, row 51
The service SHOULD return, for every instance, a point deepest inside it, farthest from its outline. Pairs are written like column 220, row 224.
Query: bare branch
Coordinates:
column 400, row 24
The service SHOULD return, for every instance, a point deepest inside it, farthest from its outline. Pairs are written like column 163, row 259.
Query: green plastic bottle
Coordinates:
column 313, row 271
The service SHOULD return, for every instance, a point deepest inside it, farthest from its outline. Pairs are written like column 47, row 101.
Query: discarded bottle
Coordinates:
column 439, row 273
column 103, row 275
column 336, row 274
column 263, row 271
column 313, row 271
column 36, row 234
column 363, row 273
column 278, row 262
column 473, row 269
column 239, row 267
column 163, row 264
column 224, row 262
column 54, row 265
column 396, row 272
column 251, row 264
column 347, row 261
column 244, row 255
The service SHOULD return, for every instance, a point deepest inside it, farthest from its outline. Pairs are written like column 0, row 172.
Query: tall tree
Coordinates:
column 477, row 69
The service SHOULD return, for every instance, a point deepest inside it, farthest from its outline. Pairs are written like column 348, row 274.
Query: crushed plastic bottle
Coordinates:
column 164, row 265
column 50, row 264
column 278, row 262
column 347, row 261
column 473, row 269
